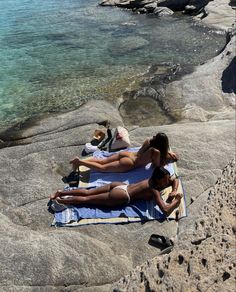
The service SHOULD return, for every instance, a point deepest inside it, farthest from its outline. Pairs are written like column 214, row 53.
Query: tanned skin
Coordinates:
column 124, row 160
column 109, row 196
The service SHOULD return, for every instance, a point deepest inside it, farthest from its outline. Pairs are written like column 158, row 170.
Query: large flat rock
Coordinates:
column 219, row 14
column 88, row 256
column 48, row 257
column 208, row 91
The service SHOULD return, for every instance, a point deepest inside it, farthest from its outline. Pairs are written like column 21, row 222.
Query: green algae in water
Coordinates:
column 56, row 55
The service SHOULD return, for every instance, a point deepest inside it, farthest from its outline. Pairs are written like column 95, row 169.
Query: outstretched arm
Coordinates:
column 167, row 209
column 174, row 185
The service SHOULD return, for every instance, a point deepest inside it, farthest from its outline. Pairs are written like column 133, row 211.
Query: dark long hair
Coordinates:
column 158, row 173
column 161, row 143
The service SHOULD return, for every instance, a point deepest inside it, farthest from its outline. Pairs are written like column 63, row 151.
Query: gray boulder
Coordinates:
column 208, row 89
column 196, row 6
column 218, row 14
column 203, row 256
column 110, row 2
column 141, row 10
column 162, row 11
column 150, row 7
column 143, row 2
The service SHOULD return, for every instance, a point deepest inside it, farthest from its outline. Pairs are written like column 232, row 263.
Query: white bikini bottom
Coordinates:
column 124, row 188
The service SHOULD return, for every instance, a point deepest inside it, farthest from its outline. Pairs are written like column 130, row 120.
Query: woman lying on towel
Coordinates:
column 118, row 193
column 154, row 150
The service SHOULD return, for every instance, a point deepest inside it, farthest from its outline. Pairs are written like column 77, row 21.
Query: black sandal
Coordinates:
column 160, row 241
column 72, row 179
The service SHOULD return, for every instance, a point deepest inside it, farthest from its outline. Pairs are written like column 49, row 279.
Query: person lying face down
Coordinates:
column 118, row 193
column 155, row 150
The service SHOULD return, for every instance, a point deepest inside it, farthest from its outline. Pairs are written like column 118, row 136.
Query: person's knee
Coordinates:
column 103, row 167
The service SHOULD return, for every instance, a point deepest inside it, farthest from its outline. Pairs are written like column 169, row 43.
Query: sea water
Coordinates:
column 57, row 54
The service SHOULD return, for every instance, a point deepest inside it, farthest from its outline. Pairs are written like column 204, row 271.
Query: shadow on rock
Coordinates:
column 229, row 78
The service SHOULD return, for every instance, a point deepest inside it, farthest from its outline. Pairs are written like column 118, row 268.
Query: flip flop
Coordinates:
column 160, row 241
column 54, row 206
column 72, row 179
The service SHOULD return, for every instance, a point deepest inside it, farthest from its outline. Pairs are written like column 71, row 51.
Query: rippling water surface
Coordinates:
column 56, row 54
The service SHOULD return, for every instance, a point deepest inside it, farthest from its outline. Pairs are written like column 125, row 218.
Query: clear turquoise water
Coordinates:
column 56, row 54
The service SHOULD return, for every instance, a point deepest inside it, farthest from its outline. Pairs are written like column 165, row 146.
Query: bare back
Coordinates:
column 144, row 155
column 140, row 158
column 140, row 191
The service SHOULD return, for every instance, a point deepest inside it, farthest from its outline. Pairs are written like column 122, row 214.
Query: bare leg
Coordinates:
column 114, row 157
column 76, row 162
column 85, row 192
column 114, row 197
column 121, row 165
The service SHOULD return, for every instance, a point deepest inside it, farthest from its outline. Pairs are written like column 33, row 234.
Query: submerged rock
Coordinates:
column 127, row 45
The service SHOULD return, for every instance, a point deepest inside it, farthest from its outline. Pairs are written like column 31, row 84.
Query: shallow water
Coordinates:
column 55, row 55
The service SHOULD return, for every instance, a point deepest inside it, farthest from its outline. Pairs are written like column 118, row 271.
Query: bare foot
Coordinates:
column 55, row 195
column 66, row 200
column 76, row 162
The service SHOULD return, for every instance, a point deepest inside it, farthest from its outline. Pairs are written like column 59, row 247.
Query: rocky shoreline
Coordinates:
column 204, row 255
column 89, row 256
column 37, row 257
column 160, row 92
column 218, row 13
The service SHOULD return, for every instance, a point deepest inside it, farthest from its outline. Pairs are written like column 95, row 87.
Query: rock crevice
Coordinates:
column 204, row 258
